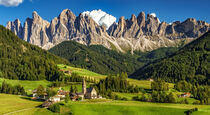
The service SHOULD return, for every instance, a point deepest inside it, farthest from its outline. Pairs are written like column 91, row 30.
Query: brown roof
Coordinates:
column 46, row 104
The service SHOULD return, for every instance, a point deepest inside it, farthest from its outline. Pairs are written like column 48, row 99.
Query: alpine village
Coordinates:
column 93, row 63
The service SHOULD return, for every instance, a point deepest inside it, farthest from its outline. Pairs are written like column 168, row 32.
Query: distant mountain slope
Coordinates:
column 191, row 63
column 21, row 60
column 102, row 60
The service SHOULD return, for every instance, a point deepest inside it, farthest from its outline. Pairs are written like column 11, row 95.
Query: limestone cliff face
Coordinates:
column 137, row 33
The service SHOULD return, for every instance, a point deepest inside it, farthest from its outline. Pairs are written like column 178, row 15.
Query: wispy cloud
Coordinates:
column 9, row 3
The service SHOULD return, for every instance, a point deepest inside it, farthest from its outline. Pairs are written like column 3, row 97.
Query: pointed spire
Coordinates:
column 83, row 86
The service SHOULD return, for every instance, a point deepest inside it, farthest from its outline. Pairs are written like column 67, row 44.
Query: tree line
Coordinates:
column 115, row 83
column 9, row 89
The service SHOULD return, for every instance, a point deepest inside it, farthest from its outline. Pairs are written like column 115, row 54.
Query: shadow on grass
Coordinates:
column 29, row 98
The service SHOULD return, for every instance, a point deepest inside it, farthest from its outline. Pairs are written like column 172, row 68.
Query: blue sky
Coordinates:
column 166, row 10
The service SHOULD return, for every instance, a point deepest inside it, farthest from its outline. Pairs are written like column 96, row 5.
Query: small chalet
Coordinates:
column 62, row 93
column 55, row 99
column 35, row 96
column 68, row 72
column 185, row 95
column 150, row 79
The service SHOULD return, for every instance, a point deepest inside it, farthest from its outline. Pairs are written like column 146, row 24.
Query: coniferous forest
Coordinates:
column 23, row 61
column 190, row 63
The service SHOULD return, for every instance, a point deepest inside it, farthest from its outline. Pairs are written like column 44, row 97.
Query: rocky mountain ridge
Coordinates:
column 139, row 33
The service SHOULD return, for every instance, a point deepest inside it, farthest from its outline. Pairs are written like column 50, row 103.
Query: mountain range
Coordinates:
column 139, row 33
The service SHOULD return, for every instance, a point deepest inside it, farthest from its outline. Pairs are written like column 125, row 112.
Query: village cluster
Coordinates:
column 87, row 93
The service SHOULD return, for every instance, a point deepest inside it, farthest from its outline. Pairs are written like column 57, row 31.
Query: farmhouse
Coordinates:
column 185, row 95
column 35, row 95
column 55, row 99
column 62, row 93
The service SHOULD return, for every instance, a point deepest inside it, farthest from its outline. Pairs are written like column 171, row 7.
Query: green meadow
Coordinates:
column 82, row 72
column 19, row 105
column 28, row 85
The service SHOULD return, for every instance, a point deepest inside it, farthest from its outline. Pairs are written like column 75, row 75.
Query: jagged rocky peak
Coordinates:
column 141, row 19
column 162, row 28
column 133, row 18
column 16, row 27
column 35, row 15
column 67, row 15
column 144, row 32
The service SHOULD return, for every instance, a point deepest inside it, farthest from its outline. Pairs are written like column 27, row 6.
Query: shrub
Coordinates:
column 185, row 101
column 188, row 112
column 197, row 102
column 125, row 99
column 55, row 108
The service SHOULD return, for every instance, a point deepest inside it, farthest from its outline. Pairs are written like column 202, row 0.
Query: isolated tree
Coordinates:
column 172, row 98
column 75, row 89
column 40, row 90
column 71, row 89
column 51, row 92
column 67, row 98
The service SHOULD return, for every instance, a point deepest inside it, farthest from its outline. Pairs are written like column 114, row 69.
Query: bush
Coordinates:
column 125, row 99
column 136, row 98
column 185, row 101
column 188, row 112
column 55, row 108
column 196, row 102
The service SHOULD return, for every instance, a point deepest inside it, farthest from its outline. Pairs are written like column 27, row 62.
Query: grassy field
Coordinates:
column 82, row 72
column 31, row 85
column 11, row 103
column 19, row 105
column 28, row 85
column 129, row 96
column 133, row 108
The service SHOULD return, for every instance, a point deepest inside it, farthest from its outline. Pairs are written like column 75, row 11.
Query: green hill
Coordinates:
column 96, row 58
column 21, row 60
column 104, row 61
column 191, row 63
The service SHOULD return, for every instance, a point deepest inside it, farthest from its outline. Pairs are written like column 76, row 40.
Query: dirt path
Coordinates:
column 17, row 111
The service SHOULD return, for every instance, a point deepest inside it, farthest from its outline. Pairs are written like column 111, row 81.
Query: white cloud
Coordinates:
column 9, row 3
column 154, row 15
column 101, row 17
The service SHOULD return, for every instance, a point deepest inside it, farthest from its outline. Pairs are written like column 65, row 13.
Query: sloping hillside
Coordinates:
column 104, row 61
column 96, row 58
column 21, row 60
column 191, row 63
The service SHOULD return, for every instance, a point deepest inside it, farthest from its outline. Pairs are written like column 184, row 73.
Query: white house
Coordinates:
column 55, row 99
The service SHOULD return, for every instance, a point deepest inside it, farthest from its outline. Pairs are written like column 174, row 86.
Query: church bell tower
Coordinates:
column 83, row 86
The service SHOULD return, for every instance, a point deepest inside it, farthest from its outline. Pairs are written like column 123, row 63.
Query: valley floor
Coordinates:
column 19, row 105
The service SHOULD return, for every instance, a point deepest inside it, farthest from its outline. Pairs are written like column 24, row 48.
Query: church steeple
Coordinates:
column 83, row 86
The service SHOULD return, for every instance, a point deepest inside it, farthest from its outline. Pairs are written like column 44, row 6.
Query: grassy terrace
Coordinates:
column 82, row 72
